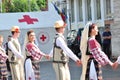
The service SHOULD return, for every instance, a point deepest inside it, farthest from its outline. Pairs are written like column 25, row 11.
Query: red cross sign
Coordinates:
column 28, row 19
column 43, row 37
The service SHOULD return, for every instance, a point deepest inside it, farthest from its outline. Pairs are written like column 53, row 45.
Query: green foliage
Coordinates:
column 19, row 6
column 34, row 6
column 42, row 4
column 24, row 5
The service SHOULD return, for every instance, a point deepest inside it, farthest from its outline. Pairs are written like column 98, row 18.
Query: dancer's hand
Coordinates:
column 78, row 62
column 47, row 56
column 115, row 65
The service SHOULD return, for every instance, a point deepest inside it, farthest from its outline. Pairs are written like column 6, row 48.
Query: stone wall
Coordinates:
column 115, row 29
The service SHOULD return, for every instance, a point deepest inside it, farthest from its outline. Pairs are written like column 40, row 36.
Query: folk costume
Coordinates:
column 92, row 57
column 32, row 62
column 15, row 57
column 61, row 54
column 34, row 56
column 3, row 67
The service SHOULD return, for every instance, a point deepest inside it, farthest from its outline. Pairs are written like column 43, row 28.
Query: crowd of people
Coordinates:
column 27, row 66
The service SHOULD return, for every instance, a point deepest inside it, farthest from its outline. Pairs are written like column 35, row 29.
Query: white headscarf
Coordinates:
column 84, row 37
column 83, row 48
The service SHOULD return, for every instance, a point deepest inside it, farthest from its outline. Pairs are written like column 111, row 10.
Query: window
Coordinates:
column 80, row 13
column 88, row 10
column 108, row 9
column 108, row 6
column 98, row 9
column 72, row 11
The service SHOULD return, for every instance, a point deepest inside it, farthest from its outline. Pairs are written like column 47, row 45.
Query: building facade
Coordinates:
column 82, row 11
column 102, row 12
column 115, row 28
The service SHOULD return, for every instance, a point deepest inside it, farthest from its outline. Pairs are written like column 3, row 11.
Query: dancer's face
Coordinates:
column 95, row 30
column 31, row 37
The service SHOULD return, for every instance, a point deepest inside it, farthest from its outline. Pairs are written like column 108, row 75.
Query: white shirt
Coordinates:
column 61, row 43
column 13, row 49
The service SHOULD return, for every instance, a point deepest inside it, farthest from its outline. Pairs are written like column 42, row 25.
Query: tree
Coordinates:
column 24, row 5
column 43, row 4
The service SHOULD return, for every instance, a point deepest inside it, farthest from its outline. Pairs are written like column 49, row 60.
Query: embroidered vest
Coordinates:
column 12, row 58
column 58, row 55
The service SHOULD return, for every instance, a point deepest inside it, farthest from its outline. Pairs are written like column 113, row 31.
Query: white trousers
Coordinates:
column 62, row 71
column 17, row 71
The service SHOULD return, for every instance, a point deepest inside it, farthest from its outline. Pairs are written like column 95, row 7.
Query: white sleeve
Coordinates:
column 118, row 60
column 13, row 49
column 42, row 53
column 61, row 43
column 51, row 53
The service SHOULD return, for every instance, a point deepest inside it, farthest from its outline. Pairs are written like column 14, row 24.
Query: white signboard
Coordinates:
column 26, row 20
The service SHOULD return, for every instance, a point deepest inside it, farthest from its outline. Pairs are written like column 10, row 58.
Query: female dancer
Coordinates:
column 92, row 55
column 33, row 56
column 3, row 58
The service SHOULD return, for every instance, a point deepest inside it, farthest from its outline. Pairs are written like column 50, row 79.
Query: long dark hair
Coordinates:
column 30, row 31
column 91, row 26
column 98, row 38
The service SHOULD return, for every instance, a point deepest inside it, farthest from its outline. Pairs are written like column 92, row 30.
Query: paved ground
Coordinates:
column 47, row 72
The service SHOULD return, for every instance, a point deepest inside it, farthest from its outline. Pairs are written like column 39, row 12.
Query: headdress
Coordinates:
column 84, row 37
column 15, row 29
column 59, row 24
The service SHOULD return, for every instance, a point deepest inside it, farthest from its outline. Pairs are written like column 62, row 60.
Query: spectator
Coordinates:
column 107, row 41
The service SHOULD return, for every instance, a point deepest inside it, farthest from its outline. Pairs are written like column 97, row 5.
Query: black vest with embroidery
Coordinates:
column 58, row 55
